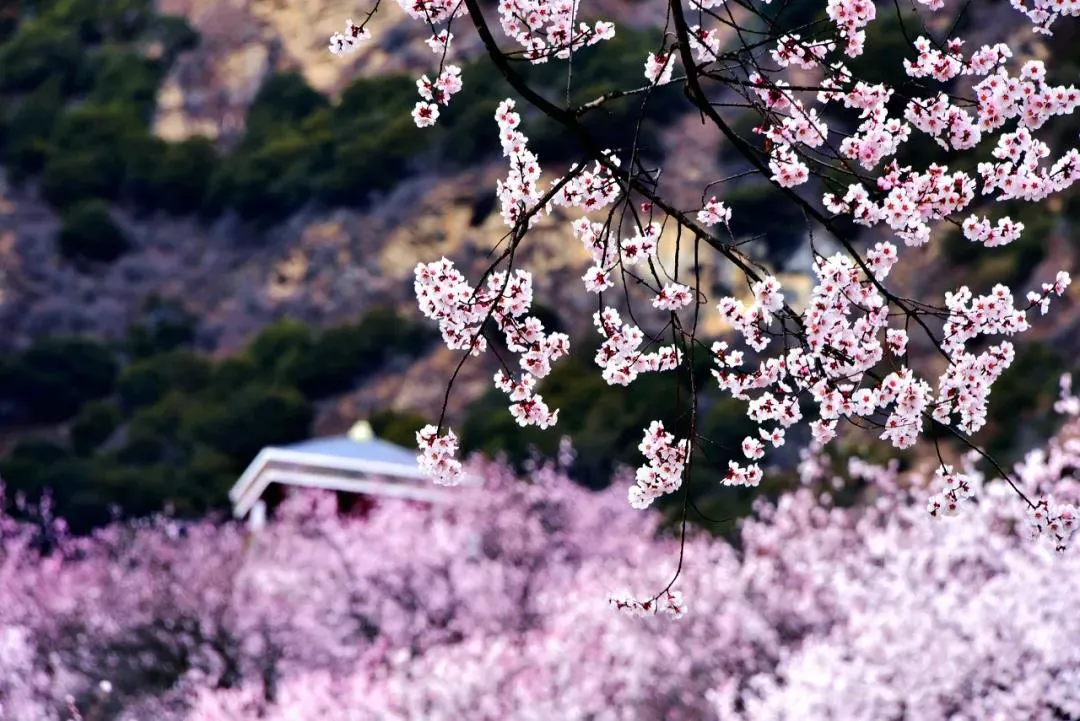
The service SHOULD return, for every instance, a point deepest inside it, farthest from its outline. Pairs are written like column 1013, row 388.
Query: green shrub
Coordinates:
column 125, row 79
column 25, row 159
column 886, row 49
column 97, row 21
column 89, row 232
column 30, row 467
column 98, row 127
column 85, row 491
column 92, row 150
column 71, row 179
column 172, row 177
column 53, row 378
column 610, row 65
column 369, row 161
column 134, row 491
column 164, row 326
column 398, row 427
column 762, row 211
column 231, row 374
column 40, row 51
column 94, row 127
column 332, row 362
column 94, row 424
column 207, row 479
column 145, row 160
column 386, row 329
column 273, row 171
column 29, row 128
column 254, row 417
column 160, row 429
column 467, row 126
column 266, row 183
column 183, row 176
column 471, row 132
column 39, row 450
column 793, row 16
column 143, row 447
column 278, row 345
column 364, row 143
column 148, row 380
column 1030, row 382
column 175, row 35
column 284, row 100
column 368, row 103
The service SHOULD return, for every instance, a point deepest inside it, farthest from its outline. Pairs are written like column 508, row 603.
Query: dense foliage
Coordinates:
column 150, row 424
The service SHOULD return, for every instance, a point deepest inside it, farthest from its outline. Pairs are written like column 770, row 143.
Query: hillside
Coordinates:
column 181, row 178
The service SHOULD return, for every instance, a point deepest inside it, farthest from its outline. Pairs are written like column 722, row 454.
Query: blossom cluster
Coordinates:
column 1043, row 13
column 665, row 461
column 843, row 349
column 659, row 67
column 433, row 12
column 438, row 455
column 434, row 93
column 461, row 311
column 957, row 487
column 620, row 355
column 714, row 212
column 1058, row 521
column 519, row 193
column 669, row 602
column 350, row 40
column 546, row 28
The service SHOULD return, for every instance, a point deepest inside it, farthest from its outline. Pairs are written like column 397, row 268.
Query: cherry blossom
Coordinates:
column 856, row 355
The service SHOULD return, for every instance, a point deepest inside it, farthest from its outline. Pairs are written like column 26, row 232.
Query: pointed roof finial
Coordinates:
column 361, row 431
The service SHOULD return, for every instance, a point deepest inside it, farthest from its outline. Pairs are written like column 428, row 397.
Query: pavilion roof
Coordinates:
column 356, row 463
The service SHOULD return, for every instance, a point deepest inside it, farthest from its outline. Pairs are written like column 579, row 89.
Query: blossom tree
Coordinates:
column 492, row 607
column 164, row 612
column 877, row 610
column 841, row 148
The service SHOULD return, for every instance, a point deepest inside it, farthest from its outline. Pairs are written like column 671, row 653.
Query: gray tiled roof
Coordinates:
column 372, row 449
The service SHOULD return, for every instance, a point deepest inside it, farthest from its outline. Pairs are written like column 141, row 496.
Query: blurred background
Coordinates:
column 208, row 227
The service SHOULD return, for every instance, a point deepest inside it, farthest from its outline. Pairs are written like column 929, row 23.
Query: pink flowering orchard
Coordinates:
column 860, row 355
column 493, row 607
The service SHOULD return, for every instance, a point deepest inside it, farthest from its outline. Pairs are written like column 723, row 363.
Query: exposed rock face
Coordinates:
column 243, row 40
column 209, row 89
column 323, row 269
